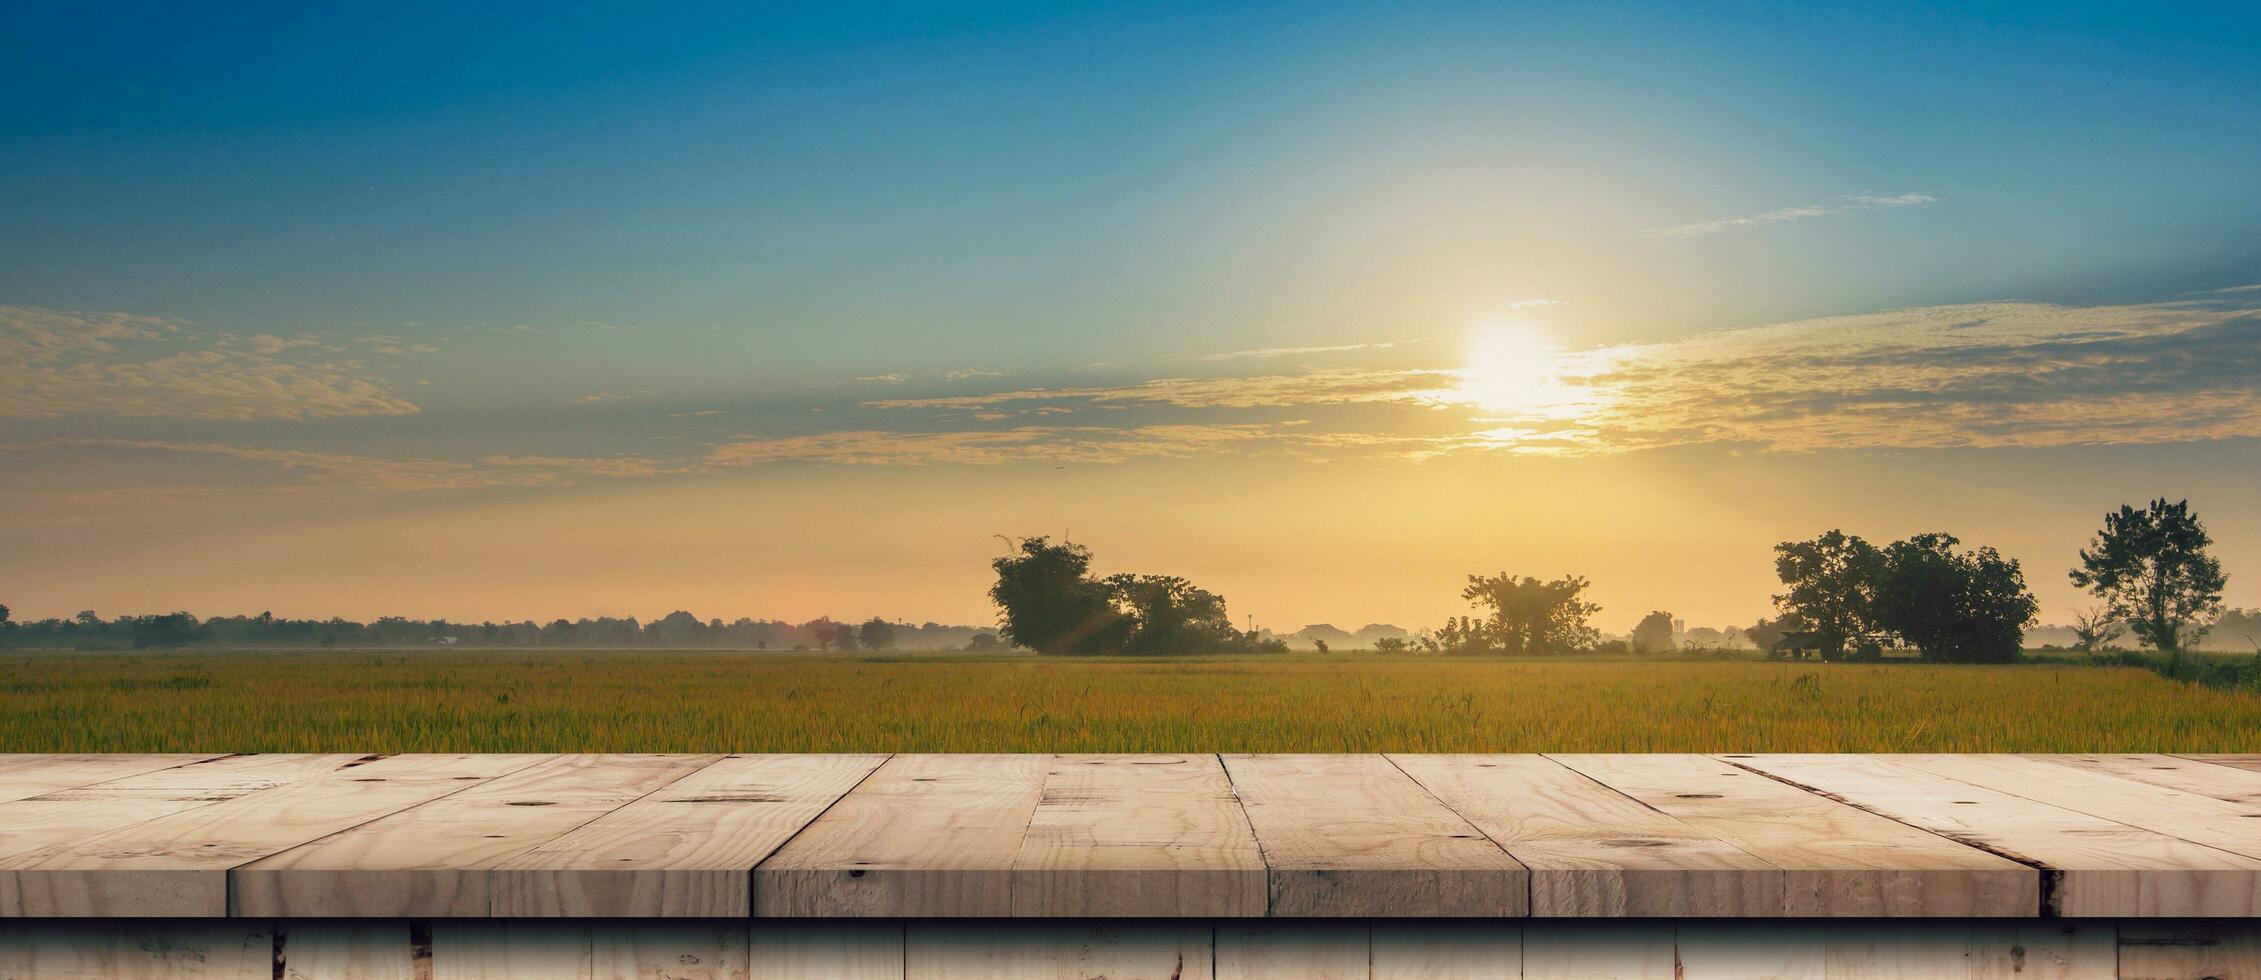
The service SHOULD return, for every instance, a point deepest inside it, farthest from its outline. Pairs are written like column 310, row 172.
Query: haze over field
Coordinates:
column 543, row 310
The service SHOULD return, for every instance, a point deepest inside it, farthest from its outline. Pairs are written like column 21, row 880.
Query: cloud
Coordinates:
column 608, row 397
column 1976, row 375
column 1046, row 444
column 970, row 374
column 55, row 363
column 1290, row 351
column 1801, row 213
column 1265, row 391
column 890, row 378
column 374, row 472
column 1528, row 304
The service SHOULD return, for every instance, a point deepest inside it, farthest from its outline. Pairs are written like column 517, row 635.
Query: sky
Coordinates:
column 539, row 310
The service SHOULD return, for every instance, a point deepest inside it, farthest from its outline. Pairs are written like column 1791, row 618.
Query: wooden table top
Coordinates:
column 1130, row 835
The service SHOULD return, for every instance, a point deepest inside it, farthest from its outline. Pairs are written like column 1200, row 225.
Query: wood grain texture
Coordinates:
column 2191, row 816
column 432, row 860
column 31, row 828
column 924, row 835
column 2229, row 783
column 1574, row 949
column 846, row 949
column 1591, row 850
column 2226, row 950
column 674, row 949
column 1126, row 949
column 1837, row 860
column 2102, row 868
column 1446, row 949
column 1354, row 835
column 177, row 864
column 25, row 776
column 1138, row 835
column 1949, row 950
column 1254, row 949
column 215, row 949
column 685, row 850
column 344, row 949
column 506, row 949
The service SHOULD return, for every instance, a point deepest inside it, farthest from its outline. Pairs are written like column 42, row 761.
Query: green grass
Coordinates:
column 713, row 702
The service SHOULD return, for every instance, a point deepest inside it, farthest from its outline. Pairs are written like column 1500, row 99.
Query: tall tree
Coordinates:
column 1047, row 602
column 2151, row 569
column 1954, row 606
column 1653, row 634
column 1530, row 616
column 1831, row 582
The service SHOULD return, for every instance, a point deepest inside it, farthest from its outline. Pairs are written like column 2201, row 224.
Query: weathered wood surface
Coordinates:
column 1123, row 949
column 1132, row 836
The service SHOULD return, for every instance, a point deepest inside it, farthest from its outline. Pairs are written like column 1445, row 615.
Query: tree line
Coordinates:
column 678, row 630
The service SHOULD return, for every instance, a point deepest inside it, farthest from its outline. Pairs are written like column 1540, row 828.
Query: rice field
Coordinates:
column 740, row 702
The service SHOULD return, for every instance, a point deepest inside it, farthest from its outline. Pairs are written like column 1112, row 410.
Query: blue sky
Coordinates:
column 633, row 244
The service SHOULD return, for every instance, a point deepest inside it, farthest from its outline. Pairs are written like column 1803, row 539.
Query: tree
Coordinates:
column 1653, row 634
column 169, row 630
column 1831, row 582
column 2151, row 569
column 2094, row 628
column 1953, row 606
column 876, row 634
column 4, row 622
column 1047, row 601
column 1167, row 614
column 1765, row 633
column 1530, row 616
column 983, row 643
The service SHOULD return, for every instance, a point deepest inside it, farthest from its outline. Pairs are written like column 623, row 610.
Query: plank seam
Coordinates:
column 1529, row 898
column 2050, row 878
column 489, row 871
column 229, row 876
column 753, row 884
column 1263, row 853
column 1782, row 872
column 2242, row 850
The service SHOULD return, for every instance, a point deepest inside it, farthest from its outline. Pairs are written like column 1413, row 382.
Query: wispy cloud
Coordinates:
column 376, row 472
column 970, row 374
column 55, row 363
column 1045, row 444
column 1264, row 352
column 1264, row 391
column 890, row 378
column 608, row 397
column 1530, row 304
column 1850, row 205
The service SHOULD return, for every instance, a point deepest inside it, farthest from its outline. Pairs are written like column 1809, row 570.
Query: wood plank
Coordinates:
column 1354, row 835
column 25, row 776
column 1592, row 949
column 2037, row 949
column 2249, row 762
column 686, row 850
column 1446, row 949
column 2104, row 868
column 1023, row 950
column 177, row 865
column 432, row 860
column 924, row 835
column 215, row 949
column 29, row 827
column 509, row 949
column 1257, row 949
column 706, row 949
column 1138, row 835
column 2190, row 816
column 846, row 949
column 344, row 949
column 2228, row 783
column 1789, row 950
column 1592, row 850
column 1837, row 860
column 2220, row 950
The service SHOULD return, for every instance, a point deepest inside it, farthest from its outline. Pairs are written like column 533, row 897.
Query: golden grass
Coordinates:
column 712, row 702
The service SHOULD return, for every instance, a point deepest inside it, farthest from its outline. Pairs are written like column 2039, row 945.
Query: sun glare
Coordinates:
column 1510, row 368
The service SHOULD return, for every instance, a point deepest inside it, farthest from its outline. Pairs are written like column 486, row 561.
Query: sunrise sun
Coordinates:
column 1510, row 367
